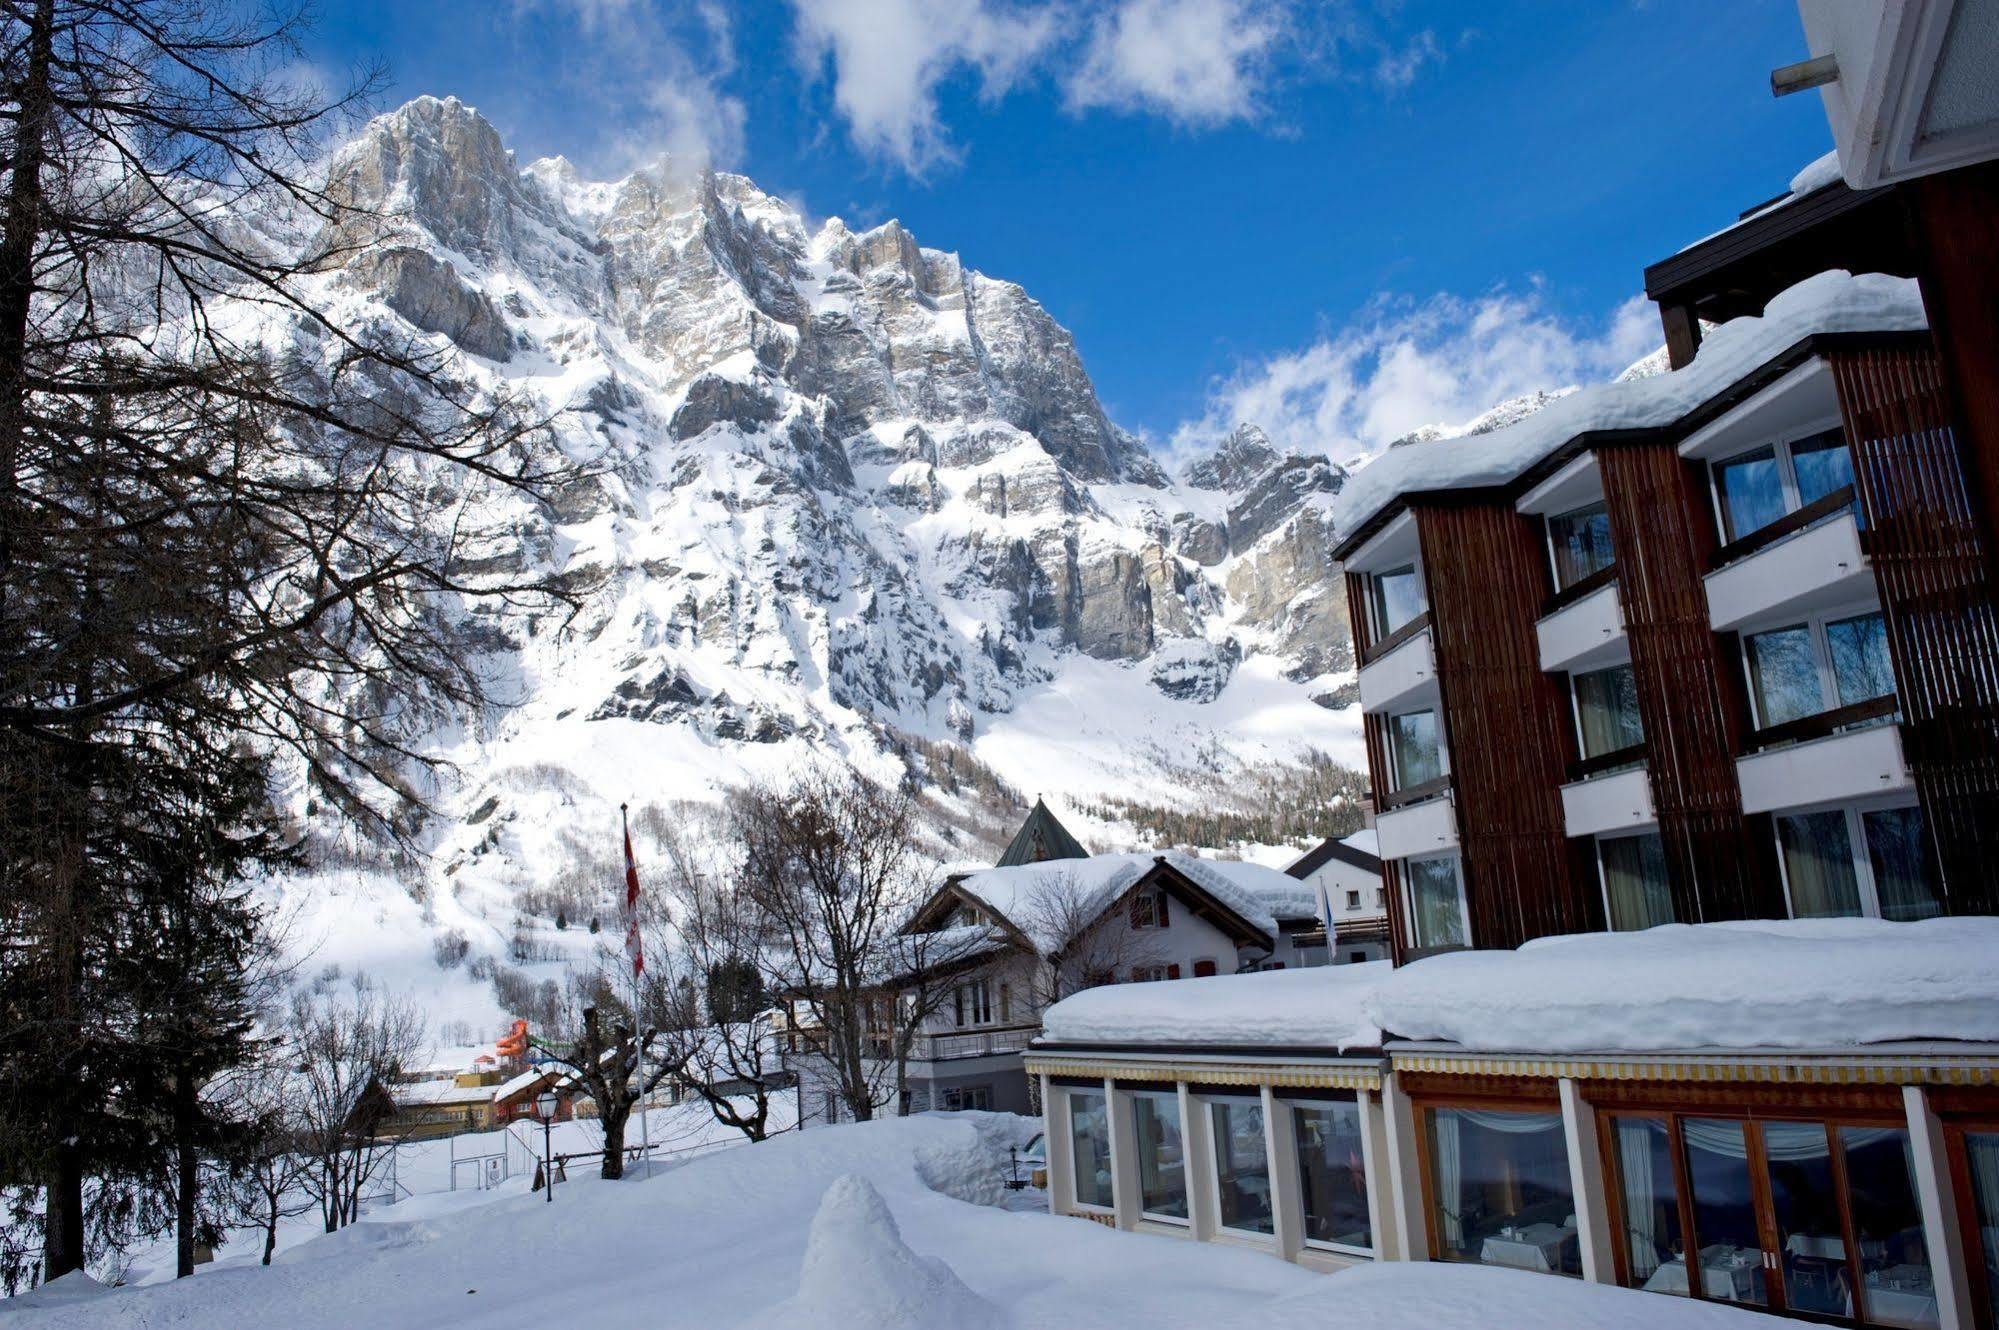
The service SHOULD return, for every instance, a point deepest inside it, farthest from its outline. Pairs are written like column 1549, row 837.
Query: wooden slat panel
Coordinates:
column 1930, row 566
column 1507, row 724
column 1690, row 692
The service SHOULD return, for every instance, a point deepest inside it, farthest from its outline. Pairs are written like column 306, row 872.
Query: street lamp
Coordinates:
column 544, row 1108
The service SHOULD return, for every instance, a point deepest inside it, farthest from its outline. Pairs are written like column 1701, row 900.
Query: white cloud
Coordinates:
column 1404, row 365
column 660, row 83
column 888, row 57
column 1196, row 62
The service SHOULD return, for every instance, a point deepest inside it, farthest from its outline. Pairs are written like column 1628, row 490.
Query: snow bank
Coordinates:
column 1321, row 1007
column 1794, row 983
column 1400, row 1295
column 1043, row 900
column 860, row 1275
column 1826, row 303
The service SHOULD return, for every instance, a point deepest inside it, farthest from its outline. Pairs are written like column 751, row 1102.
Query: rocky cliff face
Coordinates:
column 844, row 485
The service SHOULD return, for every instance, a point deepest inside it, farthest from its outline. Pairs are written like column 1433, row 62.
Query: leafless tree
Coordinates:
column 269, row 1097
column 614, row 1056
column 1087, row 944
column 829, row 864
column 352, row 1045
column 717, row 1028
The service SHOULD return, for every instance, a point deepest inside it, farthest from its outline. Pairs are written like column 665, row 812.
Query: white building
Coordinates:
column 1349, row 871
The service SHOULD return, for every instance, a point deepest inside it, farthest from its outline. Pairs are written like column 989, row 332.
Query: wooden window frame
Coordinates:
column 1493, row 1094
column 1957, row 1167
column 1831, row 1109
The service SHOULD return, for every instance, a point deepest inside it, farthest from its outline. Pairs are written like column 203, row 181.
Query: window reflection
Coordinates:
column 1818, row 865
column 1412, row 745
column 1607, row 710
column 1242, row 1166
column 1897, row 1283
column 1637, row 891
column 1398, row 598
column 1500, row 1185
column 1822, row 464
column 1436, row 915
column 1162, row 1173
column 1090, row 1136
column 1905, row 873
column 1581, row 542
column 1332, row 1176
column 1861, row 667
column 1752, row 492
column 1784, row 675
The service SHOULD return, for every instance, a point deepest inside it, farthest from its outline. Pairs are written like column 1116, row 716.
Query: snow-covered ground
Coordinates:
column 892, row 1225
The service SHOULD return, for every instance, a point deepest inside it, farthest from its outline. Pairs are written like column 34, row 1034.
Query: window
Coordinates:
column 1148, row 910
column 1332, row 1174
column 1499, row 1189
column 1784, row 1214
column 1413, row 750
column 1381, row 898
column 1006, row 1003
column 1580, row 542
column 1436, row 903
column 1090, row 1137
column 1398, row 598
column 969, row 1097
column 1981, row 1172
column 972, row 1004
column 1756, row 488
column 1607, row 710
column 1858, row 861
column 1637, row 893
column 1162, row 1161
column 1204, row 969
column 1808, row 668
column 1353, row 900
column 1152, row 974
column 1242, row 1166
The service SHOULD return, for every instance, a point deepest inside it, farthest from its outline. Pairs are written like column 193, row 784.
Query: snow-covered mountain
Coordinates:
column 850, row 497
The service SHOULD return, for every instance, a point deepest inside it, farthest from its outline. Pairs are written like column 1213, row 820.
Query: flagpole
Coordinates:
column 638, row 980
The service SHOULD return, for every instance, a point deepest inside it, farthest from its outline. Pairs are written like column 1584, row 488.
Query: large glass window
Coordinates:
column 1090, row 1137
column 1637, row 892
column 1331, row 1173
column 1805, row 1203
column 1242, row 1166
column 1758, row 487
column 1784, row 675
column 1821, row 464
column 1499, row 1182
column 1751, row 488
column 1162, row 1163
column 1607, row 710
column 1724, row 1206
column 1898, row 853
column 1413, row 748
column 1818, row 864
column 1894, row 876
column 1861, row 667
column 1436, row 906
column 1649, row 1201
column 1981, row 1157
column 1581, row 544
column 1398, row 598
column 1897, row 1283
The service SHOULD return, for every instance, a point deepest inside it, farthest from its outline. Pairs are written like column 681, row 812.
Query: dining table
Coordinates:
column 1527, row 1247
column 1902, row 1295
column 1728, row 1273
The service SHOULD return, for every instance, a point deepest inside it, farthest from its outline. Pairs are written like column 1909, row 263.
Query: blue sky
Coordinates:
column 1339, row 218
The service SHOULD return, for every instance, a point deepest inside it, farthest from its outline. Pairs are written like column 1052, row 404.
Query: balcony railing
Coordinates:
column 1376, row 650
column 1831, row 505
column 1580, row 589
column 1415, row 794
column 1824, row 724
column 973, row 1043
column 1617, row 759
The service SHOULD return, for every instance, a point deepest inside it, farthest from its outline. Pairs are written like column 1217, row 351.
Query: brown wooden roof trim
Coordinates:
column 1807, row 348
column 1745, row 239
column 1194, row 895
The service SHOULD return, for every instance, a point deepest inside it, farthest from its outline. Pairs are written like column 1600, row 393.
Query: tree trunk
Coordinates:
column 62, row 1214
column 187, row 1183
column 615, row 1117
column 270, row 1226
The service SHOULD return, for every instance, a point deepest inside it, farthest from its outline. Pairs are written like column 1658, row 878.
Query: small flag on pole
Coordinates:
column 1326, row 913
column 632, row 946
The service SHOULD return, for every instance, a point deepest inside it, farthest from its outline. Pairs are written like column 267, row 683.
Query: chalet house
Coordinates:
column 1349, row 872
column 1686, row 682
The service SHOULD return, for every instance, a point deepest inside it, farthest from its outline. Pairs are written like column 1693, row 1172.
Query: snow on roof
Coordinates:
column 1828, row 302
column 904, row 953
column 1045, row 900
column 1320, row 1007
column 1791, row 983
column 443, row 1092
column 1366, row 841
column 1280, row 893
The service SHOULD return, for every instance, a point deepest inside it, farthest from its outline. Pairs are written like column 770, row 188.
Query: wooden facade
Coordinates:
column 1506, row 726
column 1930, row 565
column 1691, row 698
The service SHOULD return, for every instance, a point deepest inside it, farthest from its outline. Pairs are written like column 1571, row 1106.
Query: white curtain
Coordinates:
column 1782, row 1141
column 1450, row 1181
column 1641, row 1197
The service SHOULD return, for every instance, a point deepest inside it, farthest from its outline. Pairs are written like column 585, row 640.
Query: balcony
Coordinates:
column 1834, row 767
column 1420, row 820
column 972, row 1044
column 1614, row 801
column 1812, row 560
column 1586, row 629
column 1399, row 667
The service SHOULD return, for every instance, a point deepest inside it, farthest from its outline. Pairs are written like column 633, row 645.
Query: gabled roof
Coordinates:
column 1038, row 902
column 1327, row 850
column 1040, row 838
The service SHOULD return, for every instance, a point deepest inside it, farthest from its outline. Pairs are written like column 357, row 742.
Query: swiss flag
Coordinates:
column 632, row 946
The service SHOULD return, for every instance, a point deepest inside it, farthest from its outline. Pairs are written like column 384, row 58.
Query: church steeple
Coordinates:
column 1041, row 837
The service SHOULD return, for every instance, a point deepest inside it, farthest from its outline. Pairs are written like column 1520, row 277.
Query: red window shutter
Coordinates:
column 1278, row 966
column 1172, row 972
column 1203, row 969
column 1162, row 914
column 1138, row 910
